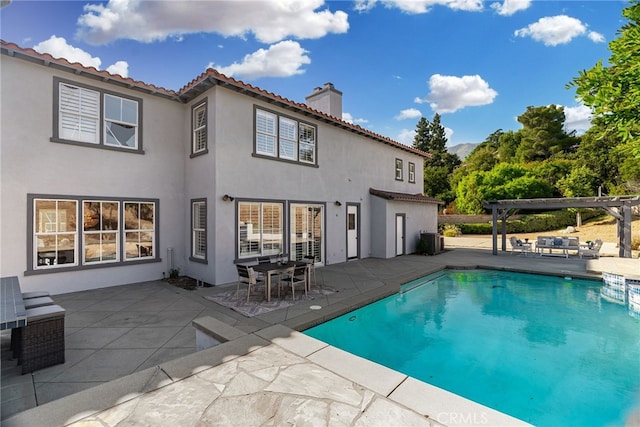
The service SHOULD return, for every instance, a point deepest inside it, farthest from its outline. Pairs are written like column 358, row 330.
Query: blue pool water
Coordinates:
column 548, row 350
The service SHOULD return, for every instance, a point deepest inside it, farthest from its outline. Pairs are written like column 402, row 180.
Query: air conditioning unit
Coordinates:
column 434, row 242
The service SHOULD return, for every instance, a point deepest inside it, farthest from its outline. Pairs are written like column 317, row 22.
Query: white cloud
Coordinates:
column 448, row 132
column 577, row 118
column 406, row 136
column 347, row 117
column 449, row 94
column 120, row 67
column 596, row 37
column 279, row 60
column 364, row 5
column 420, row 6
column 509, row 7
column 59, row 48
column 409, row 113
column 553, row 30
column 268, row 21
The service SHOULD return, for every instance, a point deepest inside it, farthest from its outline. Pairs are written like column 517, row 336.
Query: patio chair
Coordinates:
column 519, row 245
column 249, row 277
column 295, row 276
column 592, row 251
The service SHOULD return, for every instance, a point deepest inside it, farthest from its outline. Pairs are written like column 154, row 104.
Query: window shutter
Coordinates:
column 79, row 114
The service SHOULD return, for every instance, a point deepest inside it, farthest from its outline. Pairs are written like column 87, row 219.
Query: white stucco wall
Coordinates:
column 348, row 165
column 31, row 163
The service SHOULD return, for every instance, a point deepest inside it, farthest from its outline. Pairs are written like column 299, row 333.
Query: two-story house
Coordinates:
column 107, row 180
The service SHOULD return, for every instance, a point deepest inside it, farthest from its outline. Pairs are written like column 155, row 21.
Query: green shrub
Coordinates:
column 548, row 221
column 451, row 230
column 480, row 228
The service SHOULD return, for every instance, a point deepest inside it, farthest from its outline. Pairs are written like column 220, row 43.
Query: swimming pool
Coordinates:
column 548, row 350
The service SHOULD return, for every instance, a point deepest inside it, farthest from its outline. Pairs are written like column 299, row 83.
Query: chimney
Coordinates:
column 326, row 99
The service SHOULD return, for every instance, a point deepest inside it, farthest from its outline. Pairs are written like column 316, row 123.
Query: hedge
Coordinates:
column 547, row 221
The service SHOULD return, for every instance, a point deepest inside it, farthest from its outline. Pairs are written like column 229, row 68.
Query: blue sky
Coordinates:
column 478, row 64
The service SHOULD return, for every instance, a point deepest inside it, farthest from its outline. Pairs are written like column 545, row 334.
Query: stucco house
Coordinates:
column 107, row 180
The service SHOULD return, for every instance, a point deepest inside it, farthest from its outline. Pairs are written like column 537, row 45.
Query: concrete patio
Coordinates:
column 131, row 356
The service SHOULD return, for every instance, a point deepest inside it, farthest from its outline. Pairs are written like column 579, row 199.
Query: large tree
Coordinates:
column 613, row 91
column 543, row 135
column 504, row 181
column 431, row 138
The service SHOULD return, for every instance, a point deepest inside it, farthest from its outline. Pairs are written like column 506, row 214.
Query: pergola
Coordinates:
column 617, row 206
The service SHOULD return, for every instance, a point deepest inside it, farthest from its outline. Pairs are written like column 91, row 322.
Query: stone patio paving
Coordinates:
column 131, row 363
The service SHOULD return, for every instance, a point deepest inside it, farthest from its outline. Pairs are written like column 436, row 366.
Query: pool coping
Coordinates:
column 405, row 389
column 430, row 402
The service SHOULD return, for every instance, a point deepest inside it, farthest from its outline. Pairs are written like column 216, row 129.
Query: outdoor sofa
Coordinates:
column 546, row 245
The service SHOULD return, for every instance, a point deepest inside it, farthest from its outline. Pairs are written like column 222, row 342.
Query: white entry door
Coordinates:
column 400, row 234
column 352, row 231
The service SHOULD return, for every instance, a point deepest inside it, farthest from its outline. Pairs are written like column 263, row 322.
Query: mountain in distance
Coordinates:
column 462, row 150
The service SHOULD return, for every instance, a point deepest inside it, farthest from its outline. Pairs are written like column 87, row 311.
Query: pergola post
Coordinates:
column 625, row 232
column 504, row 230
column 494, row 229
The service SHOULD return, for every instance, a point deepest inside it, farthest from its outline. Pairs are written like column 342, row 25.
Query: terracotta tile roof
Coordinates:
column 196, row 87
column 13, row 49
column 404, row 197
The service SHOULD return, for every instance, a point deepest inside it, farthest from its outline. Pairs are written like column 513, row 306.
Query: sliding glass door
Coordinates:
column 307, row 232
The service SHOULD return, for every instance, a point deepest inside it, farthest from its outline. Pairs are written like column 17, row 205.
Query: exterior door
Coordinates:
column 353, row 231
column 307, row 232
column 400, row 234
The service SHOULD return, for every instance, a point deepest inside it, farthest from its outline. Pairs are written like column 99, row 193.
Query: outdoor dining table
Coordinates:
column 272, row 268
column 13, row 314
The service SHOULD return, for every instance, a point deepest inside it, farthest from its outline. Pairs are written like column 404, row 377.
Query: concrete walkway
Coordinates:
column 130, row 356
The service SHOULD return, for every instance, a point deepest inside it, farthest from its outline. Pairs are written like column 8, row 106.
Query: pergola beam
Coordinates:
column 620, row 207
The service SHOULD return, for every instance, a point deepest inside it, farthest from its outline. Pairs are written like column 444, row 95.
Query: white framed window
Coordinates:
column 120, row 122
column 199, row 229
column 307, row 145
column 399, row 170
column 79, row 113
column 54, row 233
column 260, row 229
column 78, row 232
column 284, row 137
column 199, row 125
column 139, row 220
column 288, row 143
column 265, row 133
column 412, row 172
column 91, row 116
column 100, row 231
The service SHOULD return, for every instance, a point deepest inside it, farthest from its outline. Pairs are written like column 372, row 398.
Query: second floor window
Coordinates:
column 412, row 172
column 199, row 123
column 284, row 138
column 399, row 171
column 90, row 116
